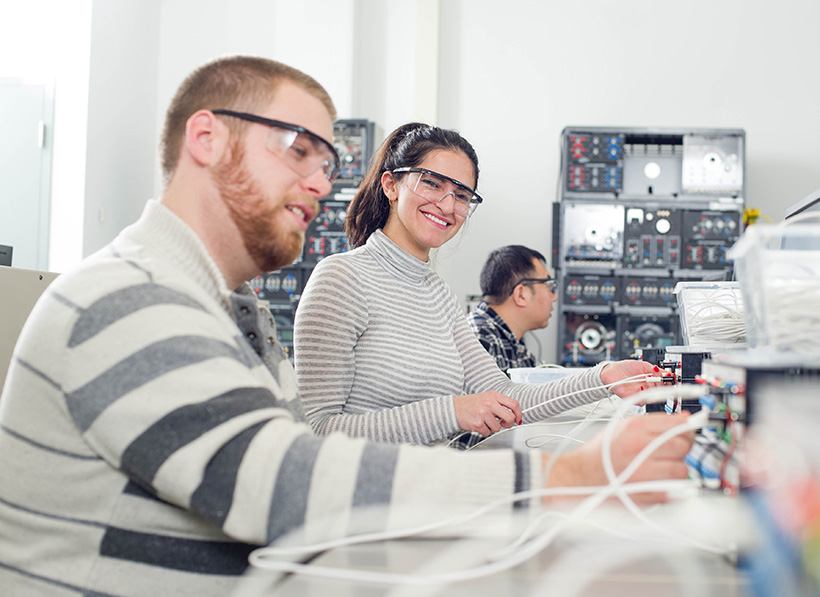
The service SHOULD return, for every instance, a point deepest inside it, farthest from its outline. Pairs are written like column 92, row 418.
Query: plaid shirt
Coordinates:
column 497, row 339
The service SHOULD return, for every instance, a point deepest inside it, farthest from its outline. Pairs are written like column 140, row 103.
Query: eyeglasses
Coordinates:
column 303, row 151
column 434, row 187
column 548, row 282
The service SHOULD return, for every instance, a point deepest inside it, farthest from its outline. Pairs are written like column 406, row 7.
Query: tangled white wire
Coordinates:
column 695, row 422
column 525, row 546
column 777, row 266
column 634, row 378
column 793, row 316
column 715, row 316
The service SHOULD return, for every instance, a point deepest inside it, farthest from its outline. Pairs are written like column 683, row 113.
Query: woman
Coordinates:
column 383, row 349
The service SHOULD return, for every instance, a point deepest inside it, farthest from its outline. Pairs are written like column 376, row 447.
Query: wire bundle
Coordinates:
column 793, row 316
column 531, row 542
column 714, row 317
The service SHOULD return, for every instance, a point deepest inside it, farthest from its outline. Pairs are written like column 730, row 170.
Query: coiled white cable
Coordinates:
column 265, row 557
column 695, row 421
column 631, row 379
column 717, row 316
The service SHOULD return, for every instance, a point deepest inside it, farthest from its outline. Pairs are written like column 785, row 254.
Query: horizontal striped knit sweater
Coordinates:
column 382, row 346
column 151, row 435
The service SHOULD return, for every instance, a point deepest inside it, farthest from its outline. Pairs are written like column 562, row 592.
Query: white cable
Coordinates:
column 582, row 423
column 530, row 443
column 792, row 316
column 553, row 458
column 661, row 393
column 714, row 315
column 533, row 526
column 376, row 536
column 596, row 499
column 634, row 378
column 258, row 557
column 785, row 312
column 639, row 377
column 263, row 557
column 695, row 421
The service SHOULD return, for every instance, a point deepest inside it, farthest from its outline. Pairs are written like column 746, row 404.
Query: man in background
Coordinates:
column 517, row 297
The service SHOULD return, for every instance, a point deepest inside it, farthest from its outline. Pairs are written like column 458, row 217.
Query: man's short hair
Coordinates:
column 242, row 83
column 503, row 269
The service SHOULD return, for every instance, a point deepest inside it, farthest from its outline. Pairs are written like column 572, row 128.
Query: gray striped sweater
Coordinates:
column 151, row 435
column 382, row 346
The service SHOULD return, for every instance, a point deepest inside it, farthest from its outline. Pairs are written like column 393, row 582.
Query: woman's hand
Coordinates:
column 619, row 370
column 487, row 412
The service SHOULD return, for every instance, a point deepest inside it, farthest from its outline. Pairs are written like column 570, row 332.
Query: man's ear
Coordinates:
column 205, row 137
column 521, row 295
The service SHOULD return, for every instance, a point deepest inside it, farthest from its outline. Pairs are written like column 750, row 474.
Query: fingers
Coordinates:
column 482, row 430
column 644, row 429
column 648, row 499
column 674, row 449
column 659, row 469
column 491, row 424
column 666, row 462
column 508, row 411
column 635, row 434
column 656, row 423
column 486, row 413
column 620, row 370
column 513, row 407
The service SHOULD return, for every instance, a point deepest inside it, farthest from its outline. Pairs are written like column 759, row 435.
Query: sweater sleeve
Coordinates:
column 332, row 315
column 481, row 374
column 159, row 389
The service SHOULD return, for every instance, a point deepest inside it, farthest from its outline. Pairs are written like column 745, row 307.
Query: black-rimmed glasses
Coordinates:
column 548, row 282
column 434, row 187
column 303, row 151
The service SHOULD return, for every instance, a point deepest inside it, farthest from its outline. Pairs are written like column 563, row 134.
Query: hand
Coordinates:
column 618, row 370
column 585, row 466
column 486, row 412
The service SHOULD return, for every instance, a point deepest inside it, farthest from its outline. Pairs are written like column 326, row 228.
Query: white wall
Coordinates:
column 48, row 41
column 122, row 116
column 508, row 75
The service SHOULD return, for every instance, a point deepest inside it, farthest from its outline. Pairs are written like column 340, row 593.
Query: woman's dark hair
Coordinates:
column 407, row 146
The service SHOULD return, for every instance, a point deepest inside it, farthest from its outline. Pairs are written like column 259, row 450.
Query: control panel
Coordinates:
column 652, row 238
column 648, row 291
column 643, row 331
column 326, row 233
column 595, row 162
column 354, row 142
column 282, row 290
column 708, row 235
column 651, row 163
column 591, row 289
column 588, row 339
column 639, row 210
